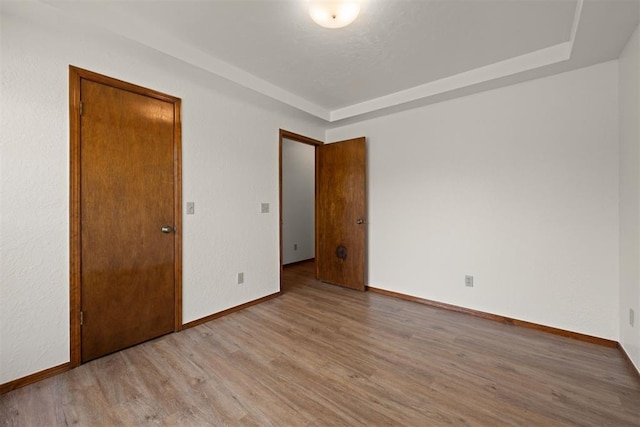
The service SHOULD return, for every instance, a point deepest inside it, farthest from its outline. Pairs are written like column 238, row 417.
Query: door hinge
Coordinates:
column 81, row 318
column 81, row 104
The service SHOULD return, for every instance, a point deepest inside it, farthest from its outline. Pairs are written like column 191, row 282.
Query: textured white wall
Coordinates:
column 517, row 186
column 298, row 201
column 629, row 82
column 230, row 166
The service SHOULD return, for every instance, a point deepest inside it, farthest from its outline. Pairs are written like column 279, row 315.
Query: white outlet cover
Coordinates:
column 468, row 281
column 264, row 208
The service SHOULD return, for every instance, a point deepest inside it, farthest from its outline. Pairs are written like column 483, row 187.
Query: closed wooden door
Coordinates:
column 341, row 209
column 127, row 218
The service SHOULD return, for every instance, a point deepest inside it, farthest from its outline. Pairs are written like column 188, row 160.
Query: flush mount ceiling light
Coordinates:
column 334, row 13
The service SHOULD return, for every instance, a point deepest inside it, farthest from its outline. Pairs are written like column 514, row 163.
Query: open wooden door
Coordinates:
column 341, row 209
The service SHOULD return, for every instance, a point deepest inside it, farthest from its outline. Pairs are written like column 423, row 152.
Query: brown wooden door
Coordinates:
column 341, row 210
column 127, row 183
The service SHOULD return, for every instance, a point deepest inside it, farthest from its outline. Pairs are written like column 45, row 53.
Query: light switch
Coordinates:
column 264, row 208
column 191, row 208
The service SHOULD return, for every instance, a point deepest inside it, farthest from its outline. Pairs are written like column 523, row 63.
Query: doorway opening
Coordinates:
column 297, row 199
column 340, row 210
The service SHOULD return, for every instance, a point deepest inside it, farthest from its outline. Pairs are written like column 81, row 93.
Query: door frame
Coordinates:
column 285, row 134
column 75, row 255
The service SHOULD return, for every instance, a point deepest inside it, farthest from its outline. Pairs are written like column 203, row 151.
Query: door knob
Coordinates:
column 167, row 229
column 361, row 221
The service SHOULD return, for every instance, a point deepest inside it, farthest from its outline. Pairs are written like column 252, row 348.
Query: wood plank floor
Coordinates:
column 321, row 355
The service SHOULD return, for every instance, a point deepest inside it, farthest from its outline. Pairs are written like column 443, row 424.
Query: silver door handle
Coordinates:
column 361, row 221
column 167, row 229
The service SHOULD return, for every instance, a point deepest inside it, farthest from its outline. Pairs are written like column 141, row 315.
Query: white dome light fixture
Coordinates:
column 334, row 13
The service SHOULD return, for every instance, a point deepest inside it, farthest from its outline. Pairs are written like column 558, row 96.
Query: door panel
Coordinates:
column 126, row 197
column 341, row 213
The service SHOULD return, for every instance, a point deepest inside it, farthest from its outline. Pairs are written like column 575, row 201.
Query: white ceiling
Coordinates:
column 398, row 52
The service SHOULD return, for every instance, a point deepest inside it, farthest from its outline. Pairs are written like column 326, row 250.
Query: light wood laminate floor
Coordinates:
column 320, row 355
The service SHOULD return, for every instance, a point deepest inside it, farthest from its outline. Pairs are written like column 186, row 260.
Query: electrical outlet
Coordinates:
column 295, row 246
column 632, row 317
column 191, row 208
column 264, row 208
column 240, row 278
column 468, row 281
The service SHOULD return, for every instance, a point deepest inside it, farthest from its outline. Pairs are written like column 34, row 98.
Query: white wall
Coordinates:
column 516, row 186
column 629, row 89
column 298, row 201
column 230, row 166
